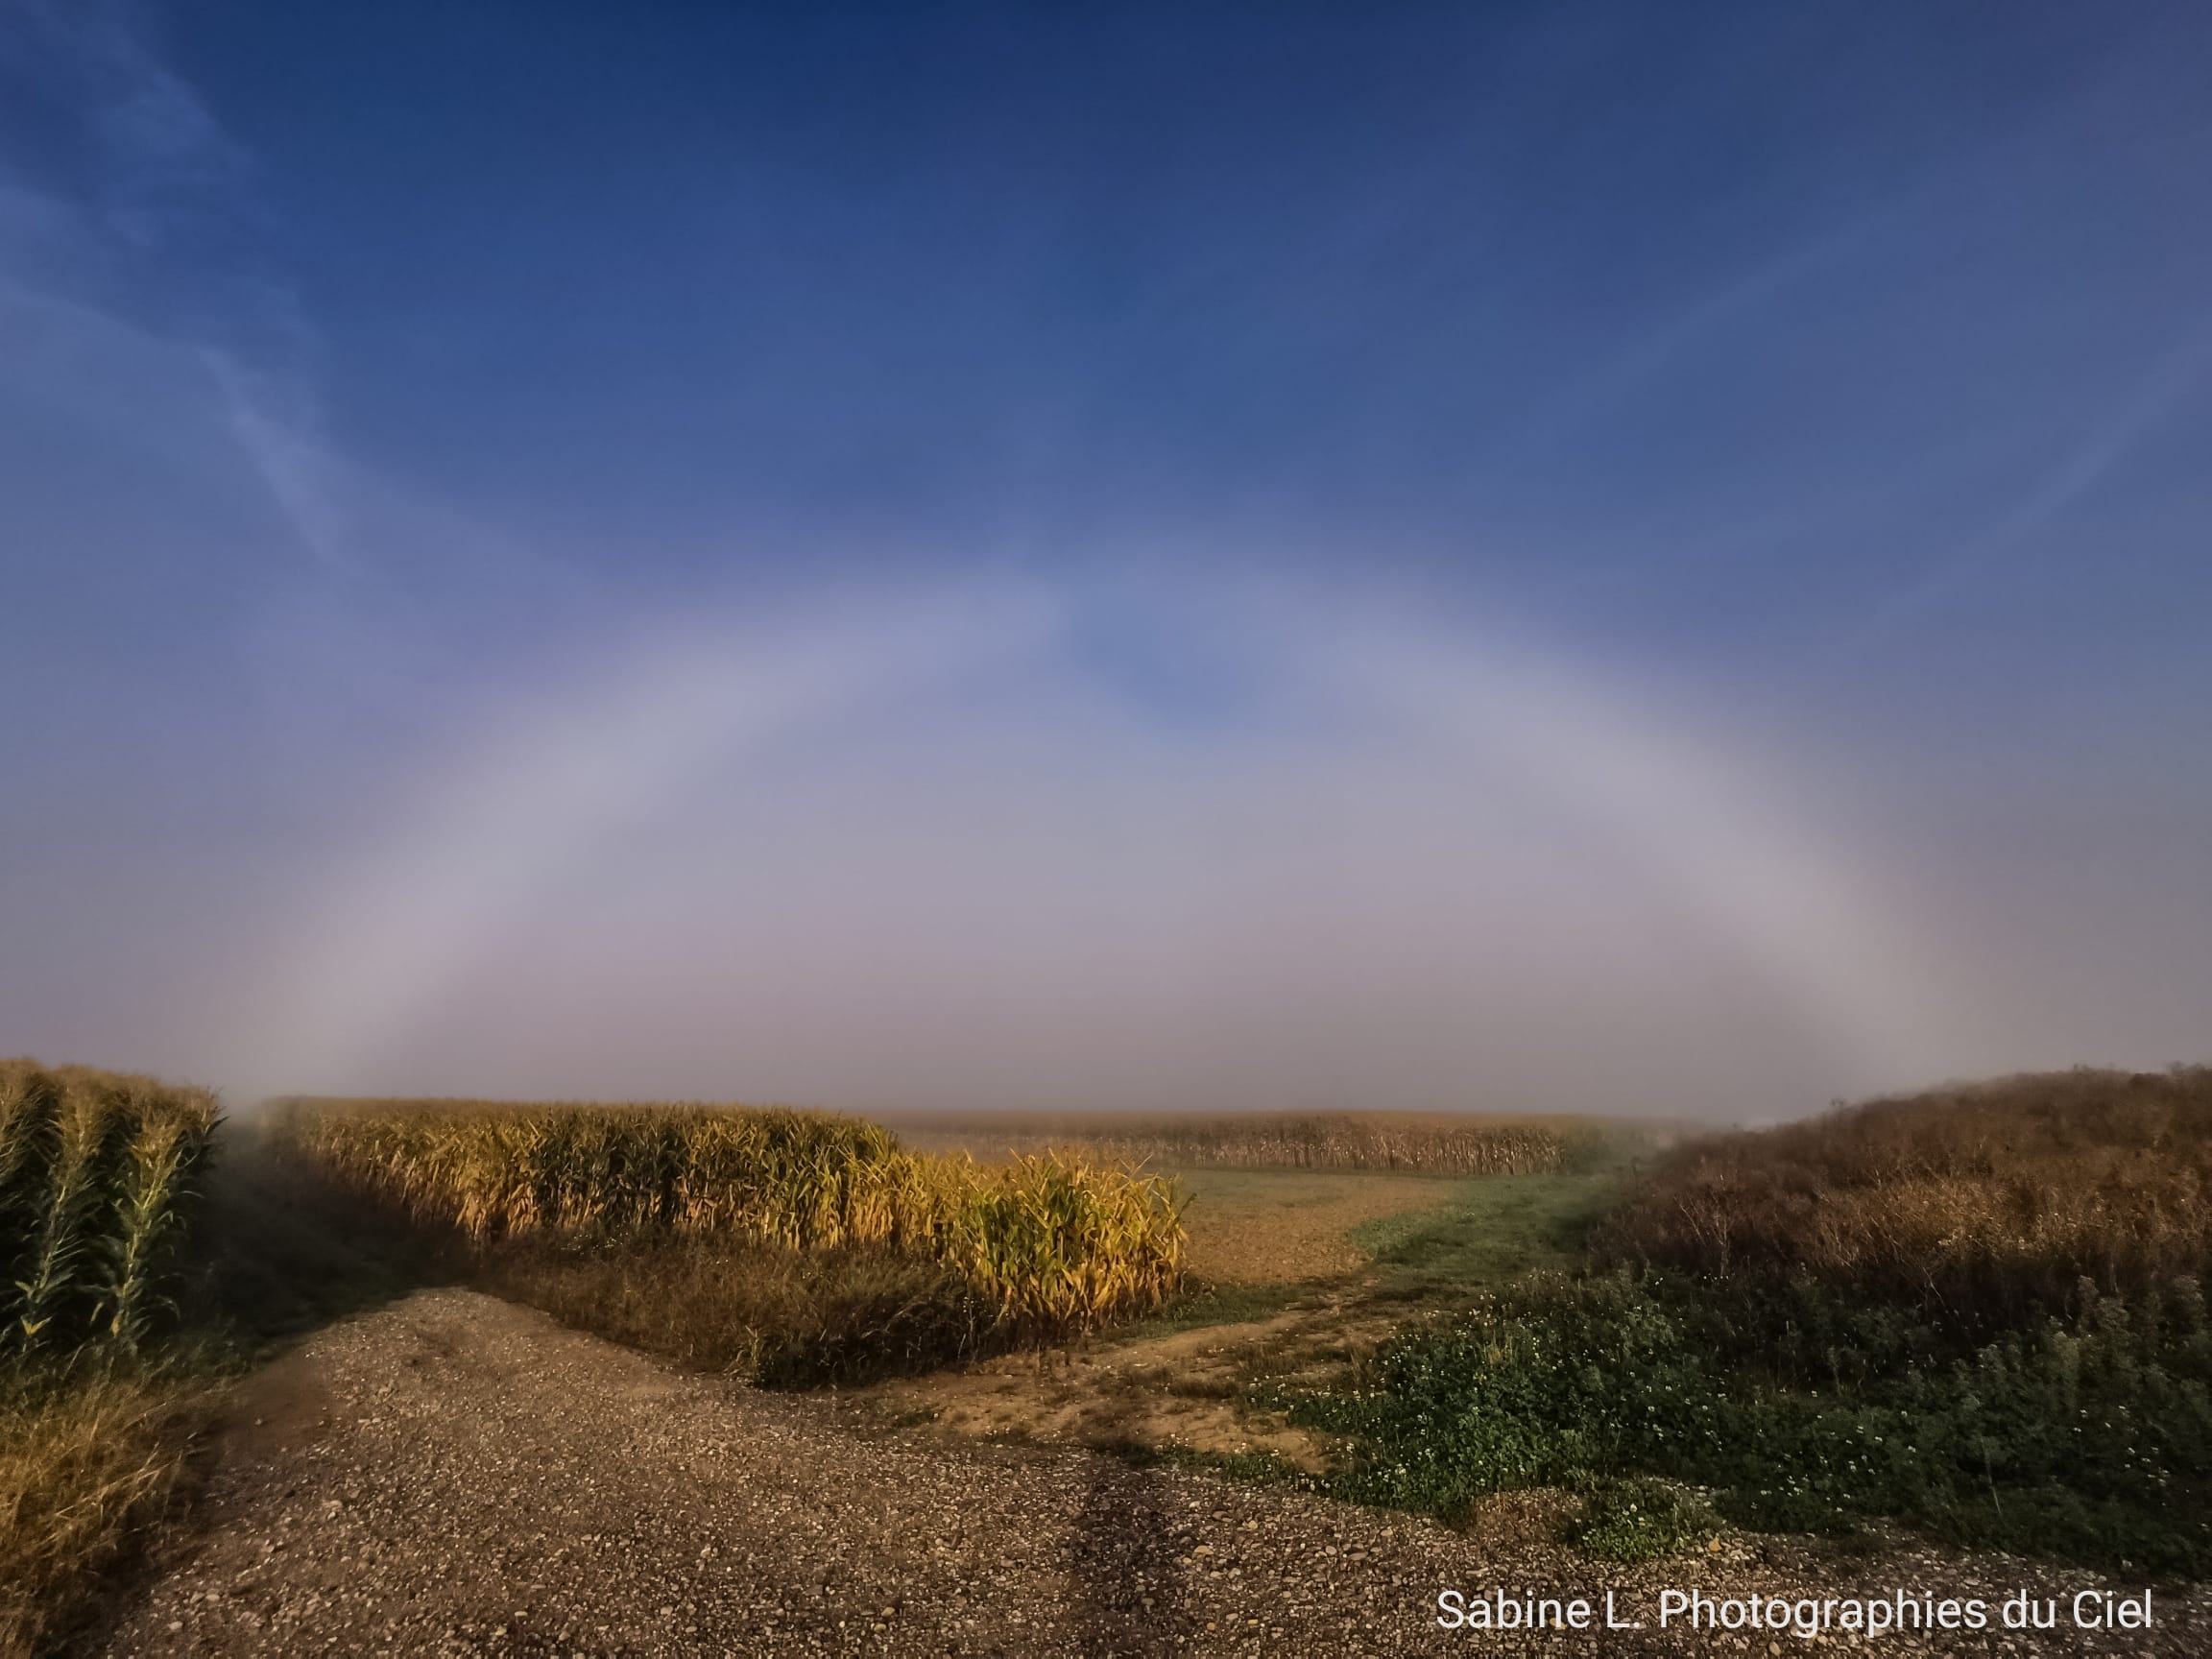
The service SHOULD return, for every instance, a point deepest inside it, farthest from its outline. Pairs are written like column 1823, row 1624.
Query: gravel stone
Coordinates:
column 453, row 1475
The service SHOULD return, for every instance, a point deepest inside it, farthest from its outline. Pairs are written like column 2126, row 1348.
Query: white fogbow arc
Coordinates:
column 527, row 797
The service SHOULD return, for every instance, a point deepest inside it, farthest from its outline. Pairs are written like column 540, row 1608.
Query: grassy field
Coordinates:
column 1402, row 1236
column 1485, row 1233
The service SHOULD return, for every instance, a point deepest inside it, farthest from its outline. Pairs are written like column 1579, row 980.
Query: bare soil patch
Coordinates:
column 1173, row 1393
column 1273, row 1227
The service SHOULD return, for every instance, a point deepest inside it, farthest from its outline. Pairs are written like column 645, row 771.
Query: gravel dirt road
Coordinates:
column 454, row 1474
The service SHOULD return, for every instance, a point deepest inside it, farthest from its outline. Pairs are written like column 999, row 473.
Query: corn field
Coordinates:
column 1429, row 1145
column 98, row 1175
column 1055, row 1244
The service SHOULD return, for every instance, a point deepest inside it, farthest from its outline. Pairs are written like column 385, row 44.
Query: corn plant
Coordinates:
column 1055, row 1244
column 150, row 1213
column 30, row 1142
column 96, row 1174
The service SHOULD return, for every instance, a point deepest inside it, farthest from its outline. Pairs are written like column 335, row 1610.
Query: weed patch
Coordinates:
column 1638, row 1520
column 1492, row 1230
column 2087, row 1436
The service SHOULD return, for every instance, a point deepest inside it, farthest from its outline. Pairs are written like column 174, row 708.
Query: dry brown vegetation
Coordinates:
column 1986, row 1199
column 82, row 1467
column 796, row 1318
column 1428, row 1143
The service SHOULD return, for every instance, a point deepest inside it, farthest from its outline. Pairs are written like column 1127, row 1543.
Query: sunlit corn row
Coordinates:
column 98, row 1175
column 1060, row 1245
column 1056, row 1244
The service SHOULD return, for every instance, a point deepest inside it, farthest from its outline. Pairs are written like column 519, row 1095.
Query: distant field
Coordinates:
column 1287, row 1226
column 1250, row 1227
column 1285, row 1199
column 1428, row 1143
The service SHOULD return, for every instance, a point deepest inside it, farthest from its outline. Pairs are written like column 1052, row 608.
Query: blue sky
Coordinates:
column 1659, row 554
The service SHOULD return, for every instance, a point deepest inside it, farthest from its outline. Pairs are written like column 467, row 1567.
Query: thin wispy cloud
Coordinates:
column 1590, row 394
column 158, row 170
column 2098, row 452
column 277, row 428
